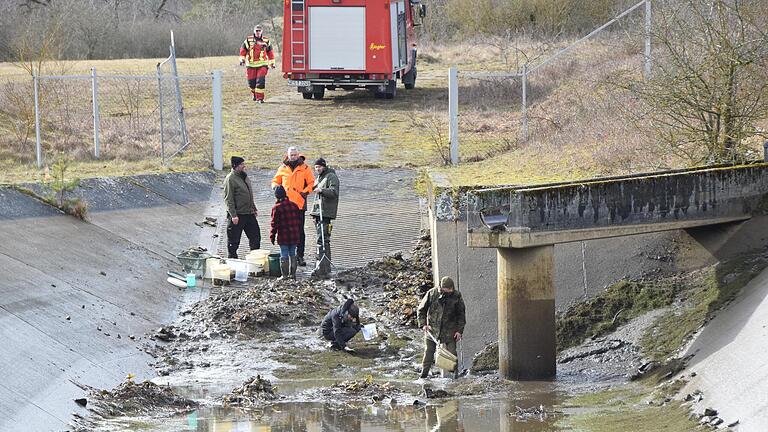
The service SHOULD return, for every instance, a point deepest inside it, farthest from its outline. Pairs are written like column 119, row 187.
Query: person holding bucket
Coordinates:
column 285, row 228
column 441, row 315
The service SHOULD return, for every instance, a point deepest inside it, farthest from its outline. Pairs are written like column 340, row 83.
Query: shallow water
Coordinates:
column 478, row 413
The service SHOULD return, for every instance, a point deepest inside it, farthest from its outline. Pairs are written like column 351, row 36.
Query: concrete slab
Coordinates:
column 730, row 362
column 527, row 216
column 114, row 265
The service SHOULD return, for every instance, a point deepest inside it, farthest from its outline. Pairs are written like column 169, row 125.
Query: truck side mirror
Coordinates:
column 422, row 11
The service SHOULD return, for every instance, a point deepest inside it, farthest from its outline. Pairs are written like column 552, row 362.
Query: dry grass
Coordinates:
column 577, row 121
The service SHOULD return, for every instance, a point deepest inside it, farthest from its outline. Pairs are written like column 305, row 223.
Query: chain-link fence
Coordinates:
column 152, row 119
column 495, row 112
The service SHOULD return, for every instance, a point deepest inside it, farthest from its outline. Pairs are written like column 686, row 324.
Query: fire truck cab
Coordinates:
column 350, row 44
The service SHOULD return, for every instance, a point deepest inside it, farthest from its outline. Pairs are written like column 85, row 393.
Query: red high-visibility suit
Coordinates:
column 257, row 56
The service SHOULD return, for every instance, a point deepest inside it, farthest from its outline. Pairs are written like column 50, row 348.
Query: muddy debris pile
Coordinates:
column 395, row 282
column 487, row 360
column 365, row 388
column 132, row 399
column 254, row 392
column 264, row 306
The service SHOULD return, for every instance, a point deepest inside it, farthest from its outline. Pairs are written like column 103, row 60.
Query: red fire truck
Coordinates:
column 350, row 44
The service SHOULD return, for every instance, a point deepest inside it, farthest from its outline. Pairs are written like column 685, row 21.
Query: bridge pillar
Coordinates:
column 526, row 296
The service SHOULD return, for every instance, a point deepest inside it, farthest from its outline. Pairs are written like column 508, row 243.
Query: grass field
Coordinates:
column 576, row 121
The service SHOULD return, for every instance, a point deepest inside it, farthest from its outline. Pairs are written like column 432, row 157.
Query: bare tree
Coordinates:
column 710, row 81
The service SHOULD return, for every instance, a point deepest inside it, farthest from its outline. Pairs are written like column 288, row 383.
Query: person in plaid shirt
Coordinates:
column 287, row 220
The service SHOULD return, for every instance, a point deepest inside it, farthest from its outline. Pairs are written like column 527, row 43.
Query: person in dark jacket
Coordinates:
column 326, row 190
column 241, row 210
column 441, row 314
column 285, row 228
column 341, row 324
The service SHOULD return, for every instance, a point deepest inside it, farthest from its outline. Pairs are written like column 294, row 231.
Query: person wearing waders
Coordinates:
column 441, row 315
column 323, row 212
column 241, row 210
column 340, row 325
column 286, row 221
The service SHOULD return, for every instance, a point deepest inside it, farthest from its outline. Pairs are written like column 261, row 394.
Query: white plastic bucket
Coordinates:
column 369, row 331
column 259, row 255
column 220, row 271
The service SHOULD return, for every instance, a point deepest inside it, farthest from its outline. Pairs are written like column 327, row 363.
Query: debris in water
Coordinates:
column 130, row 399
column 534, row 413
column 253, row 392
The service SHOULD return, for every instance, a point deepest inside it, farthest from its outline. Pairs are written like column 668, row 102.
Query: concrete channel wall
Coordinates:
column 73, row 292
column 582, row 269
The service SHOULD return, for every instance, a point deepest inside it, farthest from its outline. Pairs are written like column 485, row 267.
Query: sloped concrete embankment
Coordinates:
column 728, row 363
column 73, row 293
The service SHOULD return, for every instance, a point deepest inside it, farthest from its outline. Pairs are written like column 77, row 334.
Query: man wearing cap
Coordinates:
column 341, row 324
column 324, row 212
column 257, row 56
column 297, row 179
column 241, row 210
column 441, row 315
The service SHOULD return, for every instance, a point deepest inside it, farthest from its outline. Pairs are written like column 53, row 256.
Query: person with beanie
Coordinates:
column 285, row 229
column 241, row 209
column 441, row 315
column 326, row 190
column 341, row 324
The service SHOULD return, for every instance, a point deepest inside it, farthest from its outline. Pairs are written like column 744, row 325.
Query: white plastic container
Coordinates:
column 209, row 263
column 369, row 331
column 259, row 255
column 221, row 272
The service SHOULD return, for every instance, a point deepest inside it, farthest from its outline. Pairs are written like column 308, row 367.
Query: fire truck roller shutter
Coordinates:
column 336, row 38
column 397, row 31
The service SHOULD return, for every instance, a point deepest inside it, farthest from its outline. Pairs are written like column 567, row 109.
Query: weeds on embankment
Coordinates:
column 693, row 299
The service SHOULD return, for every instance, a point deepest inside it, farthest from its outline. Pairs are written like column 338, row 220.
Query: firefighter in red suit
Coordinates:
column 257, row 56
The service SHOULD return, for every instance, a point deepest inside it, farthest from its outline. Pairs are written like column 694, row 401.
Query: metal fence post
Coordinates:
column 95, row 96
column 453, row 114
column 38, row 144
column 647, row 63
column 160, row 110
column 524, row 105
column 218, row 161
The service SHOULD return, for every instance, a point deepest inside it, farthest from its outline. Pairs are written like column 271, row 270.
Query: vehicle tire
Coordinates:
column 306, row 95
column 319, row 94
column 409, row 79
column 391, row 90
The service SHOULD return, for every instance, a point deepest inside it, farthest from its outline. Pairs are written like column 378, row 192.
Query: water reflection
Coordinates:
column 480, row 414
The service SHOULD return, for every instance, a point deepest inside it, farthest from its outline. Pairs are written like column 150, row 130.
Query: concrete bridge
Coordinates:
column 524, row 224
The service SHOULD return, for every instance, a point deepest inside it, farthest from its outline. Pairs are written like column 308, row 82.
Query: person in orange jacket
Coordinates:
column 257, row 56
column 297, row 179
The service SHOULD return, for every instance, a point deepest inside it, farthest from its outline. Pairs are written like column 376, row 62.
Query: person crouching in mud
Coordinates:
column 341, row 324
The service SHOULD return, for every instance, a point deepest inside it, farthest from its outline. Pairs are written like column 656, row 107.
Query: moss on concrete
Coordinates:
column 627, row 409
column 636, row 418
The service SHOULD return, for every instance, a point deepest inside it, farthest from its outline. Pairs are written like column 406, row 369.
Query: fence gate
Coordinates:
column 174, row 137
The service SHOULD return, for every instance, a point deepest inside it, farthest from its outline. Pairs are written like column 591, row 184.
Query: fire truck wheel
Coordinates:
column 319, row 93
column 409, row 80
column 306, row 95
